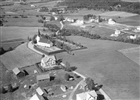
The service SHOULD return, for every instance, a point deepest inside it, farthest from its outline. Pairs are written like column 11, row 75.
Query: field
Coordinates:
column 134, row 20
column 20, row 57
column 102, row 31
column 102, row 61
column 117, row 13
column 81, row 13
column 131, row 0
column 9, row 33
column 132, row 53
column 32, row 21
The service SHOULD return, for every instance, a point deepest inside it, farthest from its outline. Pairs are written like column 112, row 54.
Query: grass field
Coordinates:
column 102, row 31
column 117, row 13
column 132, row 53
column 9, row 33
column 31, row 21
column 134, row 20
column 102, row 61
column 131, row 0
column 20, row 57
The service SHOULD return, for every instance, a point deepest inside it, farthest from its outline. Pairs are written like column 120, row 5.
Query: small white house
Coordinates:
column 43, row 42
column 132, row 37
column 138, row 28
column 116, row 34
column 89, row 95
column 39, row 91
column 16, row 71
column 111, row 21
column 32, row 5
column 34, row 97
column 48, row 61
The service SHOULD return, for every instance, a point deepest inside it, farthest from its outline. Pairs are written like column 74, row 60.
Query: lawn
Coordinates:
column 102, row 61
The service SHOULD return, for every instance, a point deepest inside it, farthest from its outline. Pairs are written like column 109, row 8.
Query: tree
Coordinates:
column 2, row 51
column 61, row 18
column 85, row 17
column 52, row 18
column 90, row 83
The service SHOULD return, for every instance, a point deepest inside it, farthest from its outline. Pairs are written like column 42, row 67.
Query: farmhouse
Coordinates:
column 111, row 21
column 48, row 61
column 43, row 41
column 90, row 95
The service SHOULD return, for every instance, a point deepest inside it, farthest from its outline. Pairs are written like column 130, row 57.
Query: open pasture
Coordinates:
column 131, row 0
column 133, row 20
column 102, row 31
column 102, row 61
column 132, row 53
column 117, row 14
column 9, row 33
column 20, row 57
column 31, row 21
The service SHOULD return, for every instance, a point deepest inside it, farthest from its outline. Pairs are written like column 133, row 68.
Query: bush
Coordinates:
column 15, row 16
column 40, row 21
column 67, row 76
column 2, row 51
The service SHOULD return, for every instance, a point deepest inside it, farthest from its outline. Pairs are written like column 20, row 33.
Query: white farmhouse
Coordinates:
column 90, row 95
column 111, row 21
column 48, row 61
column 43, row 42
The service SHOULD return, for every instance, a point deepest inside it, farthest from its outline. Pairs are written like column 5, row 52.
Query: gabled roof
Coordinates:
column 16, row 70
column 43, row 76
column 39, row 91
column 86, row 95
column 44, row 40
column 34, row 97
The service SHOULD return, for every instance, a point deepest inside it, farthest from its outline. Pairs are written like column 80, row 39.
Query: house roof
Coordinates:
column 47, row 58
column 34, row 97
column 44, row 40
column 16, row 70
column 43, row 76
column 39, row 91
column 86, row 95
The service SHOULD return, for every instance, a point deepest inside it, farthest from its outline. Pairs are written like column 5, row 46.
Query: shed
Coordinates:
column 41, row 77
column 39, row 91
column 16, row 71
column 34, row 97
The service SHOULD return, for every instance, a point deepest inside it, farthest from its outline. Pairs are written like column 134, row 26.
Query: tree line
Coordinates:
column 69, row 32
